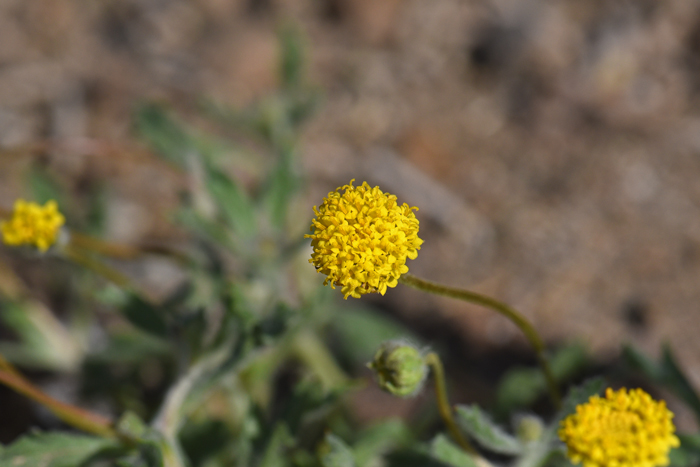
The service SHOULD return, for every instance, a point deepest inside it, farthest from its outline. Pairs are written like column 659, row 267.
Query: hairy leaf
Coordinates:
column 486, row 432
column 53, row 450
column 449, row 453
column 335, row 453
column 580, row 395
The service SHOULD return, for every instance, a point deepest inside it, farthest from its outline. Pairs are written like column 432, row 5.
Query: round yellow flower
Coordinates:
column 362, row 238
column 623, row 429
column 32, row 224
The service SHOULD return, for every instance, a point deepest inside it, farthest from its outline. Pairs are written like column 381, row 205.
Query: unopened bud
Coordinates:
column 530, row 428
column 400, row 368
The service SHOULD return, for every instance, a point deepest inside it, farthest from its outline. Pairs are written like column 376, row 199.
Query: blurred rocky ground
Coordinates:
column 552, row 146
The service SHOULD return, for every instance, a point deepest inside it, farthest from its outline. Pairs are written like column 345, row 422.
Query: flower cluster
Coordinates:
column 362, row 238
column 623, row 429
column 32, row 224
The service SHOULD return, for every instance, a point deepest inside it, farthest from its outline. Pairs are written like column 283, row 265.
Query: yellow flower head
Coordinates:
column 623, row 429
column 32, row 224
column 361, row 239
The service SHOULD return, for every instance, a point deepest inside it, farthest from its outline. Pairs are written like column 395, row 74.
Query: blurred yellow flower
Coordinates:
column 362, row 238
column 623, row 429
column 32, row 224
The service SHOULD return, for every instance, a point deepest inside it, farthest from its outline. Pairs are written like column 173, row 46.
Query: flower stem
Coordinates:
column 74, row 416
column 510, row 313
column 8, row 367
column 123, row 252
column 433, row 360
column 78, row 257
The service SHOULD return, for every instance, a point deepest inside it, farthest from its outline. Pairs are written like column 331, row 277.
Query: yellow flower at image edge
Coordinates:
column 362, row 238
column 623, row 429
column 32, row 224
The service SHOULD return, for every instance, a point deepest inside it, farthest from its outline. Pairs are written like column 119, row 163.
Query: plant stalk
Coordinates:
column 74, row 416
column 120, row 251
column 514, row 316
column 433, row 360
column 78, row 257
column 8, row 367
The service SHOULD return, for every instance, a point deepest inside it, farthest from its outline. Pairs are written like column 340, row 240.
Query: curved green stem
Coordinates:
column 123, row 252
column 74, row 416
column 488, row 302
column 8, row 367
column 78, row 257
column 433, row 360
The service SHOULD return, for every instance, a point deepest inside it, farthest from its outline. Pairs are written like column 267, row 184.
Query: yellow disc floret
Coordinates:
column 623, row 429
column 32, row 224
column 362, row 238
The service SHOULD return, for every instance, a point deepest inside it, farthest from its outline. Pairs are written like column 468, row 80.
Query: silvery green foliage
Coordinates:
column 444, row 450
column 246, row 362
column 490, row 436
column 53, row 449
column 335, row 453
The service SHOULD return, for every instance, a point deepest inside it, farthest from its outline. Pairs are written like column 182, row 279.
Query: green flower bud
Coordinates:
column 530, row 428
column 400, row 368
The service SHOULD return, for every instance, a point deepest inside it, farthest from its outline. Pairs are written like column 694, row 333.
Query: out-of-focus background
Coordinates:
column 553, row 147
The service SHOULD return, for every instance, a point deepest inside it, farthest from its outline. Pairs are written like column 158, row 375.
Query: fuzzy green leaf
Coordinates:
column 276, row 453
column 521, row 387
column 580, row 395
column 414, row 457
column 131, row 426
column 292, row 56
column 335, row 453
column 641, row 363
column 688, row 453
column 205, row 439
column 53, row 450
column 281, row 186
column 667, row 373
column 44, row 187
column 449, row 453
column 166, row 136
column 378, row 439
column 145, row 316
column 678, row 382
column 233, row 202
column 360, row 331
column 212, row 231
column 486, row 432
